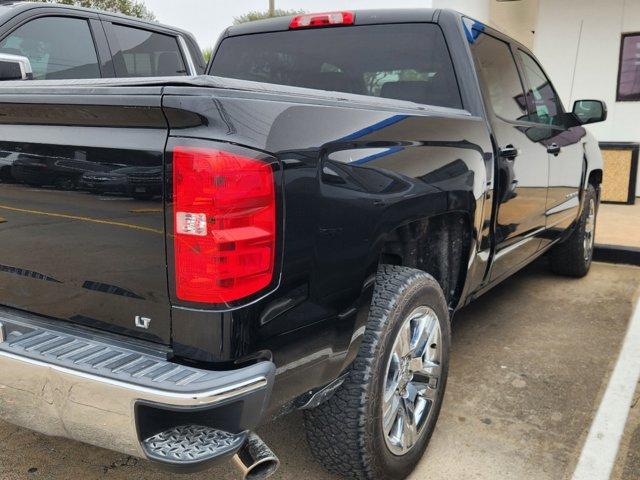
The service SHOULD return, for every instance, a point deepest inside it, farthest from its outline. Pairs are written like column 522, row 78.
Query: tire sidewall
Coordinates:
column 421, row 292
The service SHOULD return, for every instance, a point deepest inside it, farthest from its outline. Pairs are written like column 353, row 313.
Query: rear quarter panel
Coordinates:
column 350, row 175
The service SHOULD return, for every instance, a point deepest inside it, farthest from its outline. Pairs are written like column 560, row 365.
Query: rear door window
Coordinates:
column 57, row 47
column 142, row 53
column 498, row 71
column 405, row 62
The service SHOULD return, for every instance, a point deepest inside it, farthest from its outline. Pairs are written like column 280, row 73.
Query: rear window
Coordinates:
column 147, row 54
column 406, row 62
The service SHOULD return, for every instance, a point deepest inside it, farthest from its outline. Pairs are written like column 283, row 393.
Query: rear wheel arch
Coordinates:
column 439, row 245
column 595, row 177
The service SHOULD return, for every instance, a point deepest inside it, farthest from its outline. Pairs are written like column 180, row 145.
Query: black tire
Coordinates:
column 64, row 183
column 573, row 257
column 5, row 175
column 345, row 433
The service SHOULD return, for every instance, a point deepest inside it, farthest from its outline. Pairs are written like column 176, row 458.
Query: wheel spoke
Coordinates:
column 393, row 376
column 404, row 340
column 423, row 397
column 433, row 344
column 413, row 390
column 432, row 369
column 416, row 365
column 409, row 429
column 390, row 413
column 422, row 407
column 428, row 392
column 588, row 228
column 424, row 326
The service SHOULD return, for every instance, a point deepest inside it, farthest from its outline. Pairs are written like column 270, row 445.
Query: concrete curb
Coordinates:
column 617, row 254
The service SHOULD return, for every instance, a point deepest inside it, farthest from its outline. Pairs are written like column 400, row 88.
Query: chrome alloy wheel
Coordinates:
column 412, row 380
column 589, row 230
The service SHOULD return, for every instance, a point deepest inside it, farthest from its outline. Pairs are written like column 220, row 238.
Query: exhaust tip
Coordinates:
column 255, row 460
column 263, row 469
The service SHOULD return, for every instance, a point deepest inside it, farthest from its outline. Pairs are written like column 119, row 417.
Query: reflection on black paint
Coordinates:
column 360, row 179
column 143, row 183
column 27, row 273
column 110, row 289
column 77, row 203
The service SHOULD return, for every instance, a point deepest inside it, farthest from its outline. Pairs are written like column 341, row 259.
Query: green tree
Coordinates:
column 133, row 8
column 255, row 15
column 207, row 53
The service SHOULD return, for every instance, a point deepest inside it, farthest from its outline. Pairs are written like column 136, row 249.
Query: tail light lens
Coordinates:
column 322, row 20
column 224, row 225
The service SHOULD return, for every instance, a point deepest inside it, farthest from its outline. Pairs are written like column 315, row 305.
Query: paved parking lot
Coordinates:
column 530, row 362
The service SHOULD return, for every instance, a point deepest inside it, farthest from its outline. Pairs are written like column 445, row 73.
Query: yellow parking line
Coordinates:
column 83, row 219
column 146, row 210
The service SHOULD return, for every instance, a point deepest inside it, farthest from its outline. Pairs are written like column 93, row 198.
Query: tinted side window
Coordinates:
column 405, row 62
column 57, row 47
column 544, row 103
column 498, row 71
column 147, row 54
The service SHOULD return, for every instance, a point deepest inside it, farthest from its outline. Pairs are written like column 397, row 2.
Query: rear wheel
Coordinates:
column 573, row 256
column 379, row 422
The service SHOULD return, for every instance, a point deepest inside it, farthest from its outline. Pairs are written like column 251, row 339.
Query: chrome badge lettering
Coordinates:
column 142, row 322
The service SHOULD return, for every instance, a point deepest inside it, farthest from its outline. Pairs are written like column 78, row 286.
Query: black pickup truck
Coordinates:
column 326, row 199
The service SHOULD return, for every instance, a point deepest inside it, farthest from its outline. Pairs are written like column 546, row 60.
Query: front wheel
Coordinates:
column 378, row 423
column 573, row 256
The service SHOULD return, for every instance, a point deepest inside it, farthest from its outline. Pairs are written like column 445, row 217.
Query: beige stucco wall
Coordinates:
column 578, row 42
column 515, row 18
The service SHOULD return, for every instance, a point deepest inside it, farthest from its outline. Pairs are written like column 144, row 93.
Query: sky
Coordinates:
column 206, row 19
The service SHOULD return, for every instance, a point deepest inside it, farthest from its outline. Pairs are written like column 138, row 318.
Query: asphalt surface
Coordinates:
column 529, row 364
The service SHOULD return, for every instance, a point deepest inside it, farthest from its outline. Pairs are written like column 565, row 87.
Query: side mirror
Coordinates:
column 590, row 111
column 15, row 67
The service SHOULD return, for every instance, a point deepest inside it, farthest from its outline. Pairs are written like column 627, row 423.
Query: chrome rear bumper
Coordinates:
column 65, row 382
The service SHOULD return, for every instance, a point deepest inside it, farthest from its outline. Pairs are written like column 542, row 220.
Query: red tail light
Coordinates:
column 224, row 225
column 322, row 20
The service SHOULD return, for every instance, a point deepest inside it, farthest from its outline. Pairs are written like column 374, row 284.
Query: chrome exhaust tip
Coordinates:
column 255, row 460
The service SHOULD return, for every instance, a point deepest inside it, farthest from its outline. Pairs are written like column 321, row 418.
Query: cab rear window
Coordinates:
column 403, row 61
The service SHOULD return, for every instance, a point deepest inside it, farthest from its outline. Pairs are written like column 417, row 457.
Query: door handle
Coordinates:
column 554, row 149
column 509, row 152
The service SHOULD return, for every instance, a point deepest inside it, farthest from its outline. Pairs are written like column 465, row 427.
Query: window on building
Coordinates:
column 147, row 54
column 57, row 47
column 499, row 74
column 629, row 73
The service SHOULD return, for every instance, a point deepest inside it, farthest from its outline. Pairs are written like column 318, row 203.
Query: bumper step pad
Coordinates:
column 191, row 444
column 65, row 380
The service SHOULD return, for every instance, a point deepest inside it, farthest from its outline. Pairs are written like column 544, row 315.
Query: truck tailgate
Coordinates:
column 82, row 220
